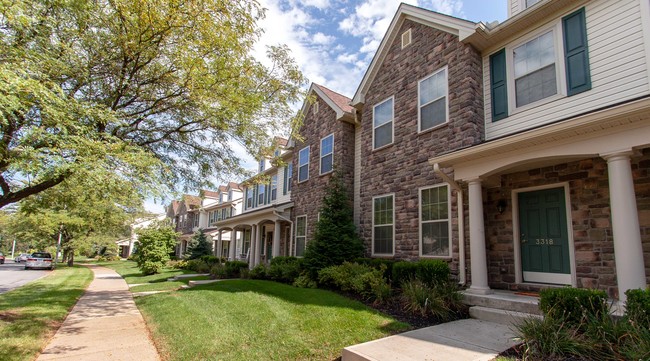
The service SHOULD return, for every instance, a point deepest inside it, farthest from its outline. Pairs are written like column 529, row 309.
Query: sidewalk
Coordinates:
column 105, row 324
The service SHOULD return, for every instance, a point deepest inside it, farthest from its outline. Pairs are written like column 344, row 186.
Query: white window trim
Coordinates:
column 314, row 108
column 306, row 165
column 560, row 76
column 445, row 69
column 272, row 188
column 392, row 128
column 320, row 164
column 448, row 219
column 295, row 244
column 408, row 35
column 372, row 245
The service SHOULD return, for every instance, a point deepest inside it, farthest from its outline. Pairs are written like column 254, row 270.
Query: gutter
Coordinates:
column 462, row 278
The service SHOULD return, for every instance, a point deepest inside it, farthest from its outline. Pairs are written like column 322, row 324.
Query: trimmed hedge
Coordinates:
column 285, row 269
column 573, row 305
column 429, row 271
column 377, row 263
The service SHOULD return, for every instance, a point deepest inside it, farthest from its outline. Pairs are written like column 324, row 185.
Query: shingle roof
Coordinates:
column 281, row 141
column 191, row 200
column 211, row 194
column 234, row 185
column 340, row 100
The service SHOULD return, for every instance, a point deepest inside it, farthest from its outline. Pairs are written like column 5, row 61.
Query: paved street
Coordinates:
column 14, row 275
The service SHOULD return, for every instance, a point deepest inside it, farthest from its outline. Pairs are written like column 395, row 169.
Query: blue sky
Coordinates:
column 333, row 41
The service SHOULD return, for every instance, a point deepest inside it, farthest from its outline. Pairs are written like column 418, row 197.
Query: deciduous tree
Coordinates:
column 155, row 90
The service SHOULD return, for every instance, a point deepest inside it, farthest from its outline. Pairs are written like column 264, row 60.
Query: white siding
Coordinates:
column 281, row 197
column 514, row 7
column 618, row 63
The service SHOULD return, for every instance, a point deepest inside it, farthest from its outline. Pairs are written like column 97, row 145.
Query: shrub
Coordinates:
column 361, row 279
column 429, row 272
column 551, row 339
column 259, row 272
column 376, row 263
column 573, row 305
column 304, row 281
column 153, row 247
column 236, row 269
column 637, row 307
column 177, row 264
column 285, row 269
column 441, row 300
column 198, row 246
column 198, row 266
column 218, row 271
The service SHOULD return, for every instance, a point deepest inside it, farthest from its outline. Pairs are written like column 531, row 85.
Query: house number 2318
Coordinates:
column 544, row 241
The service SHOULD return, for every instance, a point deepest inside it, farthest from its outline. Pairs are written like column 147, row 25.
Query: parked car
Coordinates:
column 2, row 258
column 21, row 257
column 39, row 260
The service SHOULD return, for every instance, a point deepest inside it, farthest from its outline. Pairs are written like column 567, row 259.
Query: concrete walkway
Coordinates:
column 463, row 340
column 105, row 324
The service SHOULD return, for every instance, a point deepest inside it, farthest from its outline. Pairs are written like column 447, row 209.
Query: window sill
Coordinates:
column 326, row 173
column 534, row 105
column 383, row 147
column 433, row 128
column 383, row 255
column 436, row 257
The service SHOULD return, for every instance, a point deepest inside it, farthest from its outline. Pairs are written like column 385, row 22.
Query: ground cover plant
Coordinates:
column 255, row 320
column 31, row 314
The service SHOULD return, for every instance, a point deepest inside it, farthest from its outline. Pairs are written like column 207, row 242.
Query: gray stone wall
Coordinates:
column 402, row 167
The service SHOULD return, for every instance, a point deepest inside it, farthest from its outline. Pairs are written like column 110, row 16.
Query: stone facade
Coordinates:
column 402, row 168
column 590, row 213
column 307, row 196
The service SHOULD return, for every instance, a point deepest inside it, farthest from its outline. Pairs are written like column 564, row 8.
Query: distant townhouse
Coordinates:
column 228, row 202
column 184, row 215
column 326, row 145
column 126, row 246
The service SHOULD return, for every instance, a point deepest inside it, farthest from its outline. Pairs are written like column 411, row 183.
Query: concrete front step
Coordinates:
column 201, row 282
column 503, row 317
column 461, row 340
column 504, row 300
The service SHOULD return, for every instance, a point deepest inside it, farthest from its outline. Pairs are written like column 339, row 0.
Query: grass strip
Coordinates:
column 132, row 275
column 259, row 320
column 31, row 314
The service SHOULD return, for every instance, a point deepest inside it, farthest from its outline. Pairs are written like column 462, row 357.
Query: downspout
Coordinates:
column 461, row 222
column 290, row 228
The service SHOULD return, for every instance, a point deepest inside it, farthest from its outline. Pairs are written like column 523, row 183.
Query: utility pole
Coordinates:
column 13, row 248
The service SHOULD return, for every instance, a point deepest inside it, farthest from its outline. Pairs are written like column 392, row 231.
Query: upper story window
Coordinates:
column 301, row 235
column 434, row 221
column 288, row 176
column 249, row 198
column 432, row 100
column 303, row 164
column 260, row 194
column 229, row 196
column 383, row 231
column 382, row 124
column 530, row 3
column 262, row 165
column 276, row 153
column 326, row 154
column 535, row 70
column 274, row 187
column 196, row 220
column 547, row 65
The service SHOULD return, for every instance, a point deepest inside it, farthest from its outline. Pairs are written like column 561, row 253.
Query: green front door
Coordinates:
column 544, row 236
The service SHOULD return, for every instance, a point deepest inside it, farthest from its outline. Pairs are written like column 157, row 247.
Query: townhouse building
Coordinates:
column 184, row 215
column 517, row 152
column 225, row 203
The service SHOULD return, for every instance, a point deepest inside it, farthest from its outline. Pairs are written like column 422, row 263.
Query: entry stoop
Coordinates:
column 503, row 307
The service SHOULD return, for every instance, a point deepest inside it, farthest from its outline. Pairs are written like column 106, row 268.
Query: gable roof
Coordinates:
column 191, row 201
column 338, row 102
column 234, row 185
column 210, row 194
column 456, row 26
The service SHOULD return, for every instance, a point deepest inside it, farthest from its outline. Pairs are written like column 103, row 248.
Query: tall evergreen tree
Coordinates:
column 335, row 236
column 199, row 246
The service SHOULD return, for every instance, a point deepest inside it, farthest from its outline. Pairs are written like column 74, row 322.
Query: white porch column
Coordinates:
column 258, row 244
column 628, row 251
column 276, row 240
column 477, row 251
column 219, row 244
column 251, row 254
column 233, row 244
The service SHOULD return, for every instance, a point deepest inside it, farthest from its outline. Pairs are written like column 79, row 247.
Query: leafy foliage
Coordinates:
column 199, row 246
column 573, row 305
column 135, row 87
column 353, row 277
column 154, row 245
column 637, row 307
column 440, row 300
column 285, row 269
column 430, row 272
column 335, row 237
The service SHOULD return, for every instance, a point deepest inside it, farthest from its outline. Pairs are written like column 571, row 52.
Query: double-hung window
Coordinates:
column 303, row 164
column 249, row 198
column 326, row 154
column 288, row 175
column 301, row 235
column 262, row 165
column 434, row 221
column 535, row 71
column 274, row 187
column 383, row 216
column 261, row 188
column 432, row 100
column 382, row 124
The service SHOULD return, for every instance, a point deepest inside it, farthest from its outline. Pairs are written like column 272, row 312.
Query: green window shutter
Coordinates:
column 499, row 89
column 284, row 181
column 576, row 53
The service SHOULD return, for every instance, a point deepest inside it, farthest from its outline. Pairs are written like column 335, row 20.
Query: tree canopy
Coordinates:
column 154, row 90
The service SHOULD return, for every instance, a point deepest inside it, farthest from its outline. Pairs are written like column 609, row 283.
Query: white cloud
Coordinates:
column 322, row 39
column 319, row 4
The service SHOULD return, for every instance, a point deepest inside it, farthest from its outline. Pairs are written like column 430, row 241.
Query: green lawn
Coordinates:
column 158, row 282
column 31, row 314
column 259, row 320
